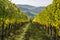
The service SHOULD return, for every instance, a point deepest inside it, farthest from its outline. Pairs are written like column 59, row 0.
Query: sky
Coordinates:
column 36, row 3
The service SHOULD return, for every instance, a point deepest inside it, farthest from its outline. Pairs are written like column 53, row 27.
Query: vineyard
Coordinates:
column 16, row 25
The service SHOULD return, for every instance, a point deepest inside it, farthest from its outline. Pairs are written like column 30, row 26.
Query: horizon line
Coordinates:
column 31, row 5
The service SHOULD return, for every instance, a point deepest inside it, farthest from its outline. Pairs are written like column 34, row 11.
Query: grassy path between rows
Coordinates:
column 24, row 32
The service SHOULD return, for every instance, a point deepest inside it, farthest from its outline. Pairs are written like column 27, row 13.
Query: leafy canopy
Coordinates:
column 10, row 13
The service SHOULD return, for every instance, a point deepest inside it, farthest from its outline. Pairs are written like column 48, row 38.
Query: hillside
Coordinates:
column 16, row 25
column 29, row 10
